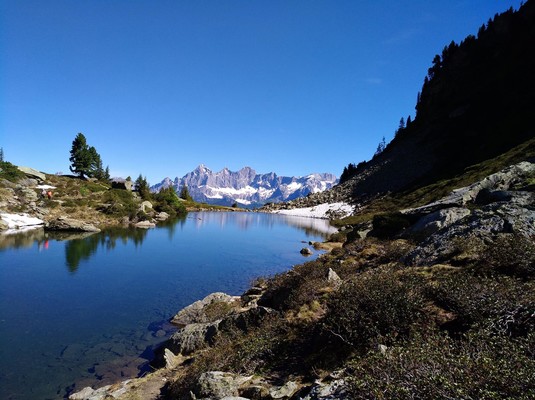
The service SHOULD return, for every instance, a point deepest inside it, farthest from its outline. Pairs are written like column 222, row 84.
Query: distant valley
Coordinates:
column 245, row 187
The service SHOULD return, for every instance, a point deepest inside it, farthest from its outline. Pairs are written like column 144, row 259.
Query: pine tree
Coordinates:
column 85, row 160
column 1, row 154
column 380, row 147
column 184, row 194
column 143, row 188
column 81, row 158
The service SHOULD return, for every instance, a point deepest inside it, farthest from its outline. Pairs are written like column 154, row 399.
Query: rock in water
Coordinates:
column 68, row 224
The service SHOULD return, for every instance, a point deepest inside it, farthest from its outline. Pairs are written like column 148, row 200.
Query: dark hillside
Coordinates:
column 477, row 102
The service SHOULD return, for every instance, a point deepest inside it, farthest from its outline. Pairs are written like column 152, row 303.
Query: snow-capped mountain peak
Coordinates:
column 245, row 186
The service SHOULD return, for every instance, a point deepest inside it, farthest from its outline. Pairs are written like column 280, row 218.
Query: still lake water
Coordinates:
column 81, row 310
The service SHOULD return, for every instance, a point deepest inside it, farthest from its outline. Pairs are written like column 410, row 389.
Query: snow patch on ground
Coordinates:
column 21, row 221
column 320, row 211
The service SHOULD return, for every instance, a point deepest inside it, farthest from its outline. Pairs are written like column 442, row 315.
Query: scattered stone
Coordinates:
column 218, row 384
column 284, row 392
column 333, row 278
column 382, row 349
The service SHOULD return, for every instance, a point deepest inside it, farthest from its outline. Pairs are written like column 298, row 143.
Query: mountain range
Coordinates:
column 245, row 187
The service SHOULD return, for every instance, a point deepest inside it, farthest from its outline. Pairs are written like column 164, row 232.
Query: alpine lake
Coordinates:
column 82, row 310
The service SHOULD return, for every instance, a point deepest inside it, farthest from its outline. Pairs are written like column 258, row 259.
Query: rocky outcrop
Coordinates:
column 477, row 213
column 69, row 224
column 508, row 178
column 32, row 173
column 205, row 310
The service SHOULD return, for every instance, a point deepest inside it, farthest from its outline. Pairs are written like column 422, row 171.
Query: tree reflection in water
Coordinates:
column 80, row 249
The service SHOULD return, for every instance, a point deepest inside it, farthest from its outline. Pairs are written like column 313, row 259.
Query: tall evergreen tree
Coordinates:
column 184, row 194
column 142, row 187
column 85, row 160
column 80, row 156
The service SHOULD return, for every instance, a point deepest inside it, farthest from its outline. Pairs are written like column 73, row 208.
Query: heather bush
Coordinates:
column 375, row 304
column 475, row 300
column 435, row 366
column 510, row 254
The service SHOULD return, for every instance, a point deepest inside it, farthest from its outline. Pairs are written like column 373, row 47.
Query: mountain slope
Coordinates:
column 245, row 186
column 477, row 102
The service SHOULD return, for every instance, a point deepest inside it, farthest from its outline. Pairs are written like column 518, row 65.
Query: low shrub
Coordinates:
column 435, row 366
column 510, row 254
column 377, row 303
column 475, row 300
column 10, row 172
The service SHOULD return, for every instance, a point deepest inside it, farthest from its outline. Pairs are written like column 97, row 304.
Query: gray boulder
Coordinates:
column 285, row 391
column 145, row 224
column 32, row 173
column 306, row 251
column 161, row 216
column 192, row 337
column 218, row 385
column 145, row 206
column 203, row 311
column 68, row 224
column 29, row 195
column 119, row 183
column 430, row 223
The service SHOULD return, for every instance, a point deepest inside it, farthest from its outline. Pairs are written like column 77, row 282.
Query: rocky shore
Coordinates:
column 432, row 242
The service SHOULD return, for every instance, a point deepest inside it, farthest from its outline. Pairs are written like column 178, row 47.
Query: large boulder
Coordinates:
column 145, row 206
column 192, row 337
column 69, row 224
column 32, row 173
column 119, row 183
column 145, row 224
column 430, row 223
column 212, row 307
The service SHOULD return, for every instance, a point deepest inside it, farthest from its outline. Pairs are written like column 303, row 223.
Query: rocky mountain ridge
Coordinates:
column 246, row 187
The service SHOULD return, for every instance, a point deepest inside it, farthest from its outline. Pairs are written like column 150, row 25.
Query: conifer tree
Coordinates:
column 85, row 160
column 184, row 194
column 80, row 156
column 143, row 188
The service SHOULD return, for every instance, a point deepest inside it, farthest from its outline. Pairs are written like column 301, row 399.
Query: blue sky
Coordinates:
column 158, row 87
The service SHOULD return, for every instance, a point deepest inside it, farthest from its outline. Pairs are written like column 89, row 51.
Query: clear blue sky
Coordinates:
column 158, row 87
